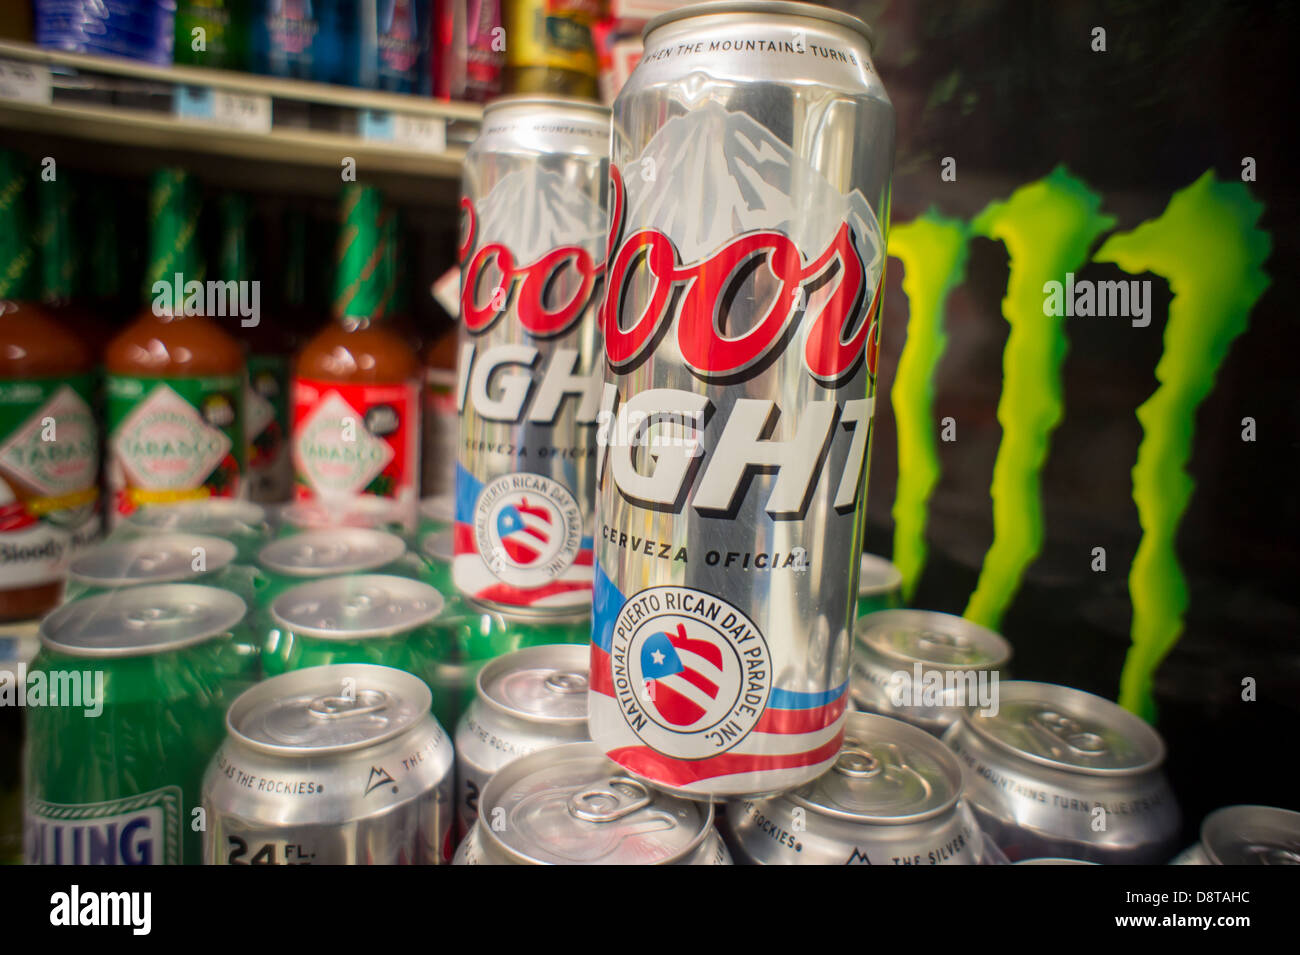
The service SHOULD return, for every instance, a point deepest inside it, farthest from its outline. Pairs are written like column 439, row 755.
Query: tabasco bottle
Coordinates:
column 175, row 378
column 49, row 442
column 268, row 346
column 356, row 387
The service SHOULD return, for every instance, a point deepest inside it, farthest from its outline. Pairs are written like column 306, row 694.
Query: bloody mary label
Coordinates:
column 355, row 441
column 49, row 466
column 270, row 470
column 174, row 439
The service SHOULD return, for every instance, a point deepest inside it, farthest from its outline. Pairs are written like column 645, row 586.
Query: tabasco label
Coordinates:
column 174, row 439
column 49, row 468
column 357, row 441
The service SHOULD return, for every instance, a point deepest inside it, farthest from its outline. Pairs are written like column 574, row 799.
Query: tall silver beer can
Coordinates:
column 331, row 765
column 750, row 184
column 532, row 256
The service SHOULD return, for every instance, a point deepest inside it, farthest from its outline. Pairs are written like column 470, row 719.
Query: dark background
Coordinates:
column 1011, row 89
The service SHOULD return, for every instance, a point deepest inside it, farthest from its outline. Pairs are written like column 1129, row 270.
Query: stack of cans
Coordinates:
column 643, row 611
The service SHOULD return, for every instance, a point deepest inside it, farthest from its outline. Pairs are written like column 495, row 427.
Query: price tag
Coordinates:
column 425, row 133
column 26, row 82
column 248, row 112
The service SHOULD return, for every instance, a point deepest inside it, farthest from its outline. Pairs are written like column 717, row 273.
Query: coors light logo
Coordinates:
column 741, row 251
column 549, row 270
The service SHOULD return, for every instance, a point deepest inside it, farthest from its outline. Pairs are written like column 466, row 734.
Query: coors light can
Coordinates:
column 528, row 385
column 750, row 173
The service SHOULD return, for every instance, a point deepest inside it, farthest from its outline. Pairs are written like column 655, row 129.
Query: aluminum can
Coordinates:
column 1246, row 835
column 880, row 585
column 243, row 523
column 364, row 618
column 289, row 561
column 1059, row 772
column 436, row 541
column 532, row 257
column 470, row 635
column 164, row 558
column 569, row 805
column 752, row 151
column 925, row 667
column 892, row 797
column 527, row 700
column 552, row 49
column 372, row 512
column 332, row 765
column 468, row 60
column 161, row 665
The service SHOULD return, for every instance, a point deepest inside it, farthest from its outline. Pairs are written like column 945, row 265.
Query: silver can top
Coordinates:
column 329, row 709
column 365, row 605
column 156, row 559
column 546, row 684
column 530, row 615
column 440, row 507
column 939, row 640
column 546, row 102
column 774, row 8
column 877, row 576
column 888, row 773
column 221, row 516
column 1068, row 729
column 1252, row 835
column 142, row 620
column 570, row 805
column 362, row 512
column 341, row 550
column 438, row 546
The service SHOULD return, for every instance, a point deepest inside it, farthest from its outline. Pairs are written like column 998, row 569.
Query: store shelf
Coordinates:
column 242, row 116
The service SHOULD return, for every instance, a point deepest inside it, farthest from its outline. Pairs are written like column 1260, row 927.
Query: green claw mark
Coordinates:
column 1048, row 228
column 933, row 250
column 1206, row 244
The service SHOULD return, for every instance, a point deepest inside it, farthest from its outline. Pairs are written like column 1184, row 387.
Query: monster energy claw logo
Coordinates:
column 1207, row 245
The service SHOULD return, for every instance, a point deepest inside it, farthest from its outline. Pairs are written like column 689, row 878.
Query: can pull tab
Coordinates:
column 567, row 682
column 858, row 762
column 150, row 617
column 619, row 797
column 342, row 707
column 1068, row 732
column 939, row 640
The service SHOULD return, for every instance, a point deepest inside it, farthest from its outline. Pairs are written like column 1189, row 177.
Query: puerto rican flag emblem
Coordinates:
column 521, row 540
column 683, row 675
column 525, row 529
column 686, row 693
